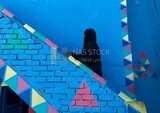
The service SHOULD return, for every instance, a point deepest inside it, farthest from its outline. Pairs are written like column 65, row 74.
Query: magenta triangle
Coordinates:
column 22, row 85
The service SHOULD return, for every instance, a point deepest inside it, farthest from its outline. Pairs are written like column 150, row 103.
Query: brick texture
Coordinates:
column 52, row 74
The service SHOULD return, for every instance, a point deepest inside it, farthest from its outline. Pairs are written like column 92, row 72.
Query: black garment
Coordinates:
column 90, row 55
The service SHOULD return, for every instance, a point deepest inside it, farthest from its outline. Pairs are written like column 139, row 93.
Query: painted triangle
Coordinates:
column 36, row 98
column 51, row 109
column 1, row 62
column 124, row 24
column 147, row 62
column 131, row 88
column 143, row 60
column 9, row 73
column 128, row 82
column 129, row 57
column 146, row 66
column 126, row 62
column 84, row 98
column 125, row 43
column 143, row 55
column 127, row 71
column 124, row 11
column 3, row 84
column 130, row 66
column 135, row 75
column 2, row 73
column 122, row 7
column 142, row 68
column 128, row 47
column 138, row 66
column 31, row 110
column 22, row 85
column 41, row 108
column 144, row 75
column 13, row 83
column 125, row 28
column 130, row 76
column 26, row 96
column 139, row 74
column 150, row 68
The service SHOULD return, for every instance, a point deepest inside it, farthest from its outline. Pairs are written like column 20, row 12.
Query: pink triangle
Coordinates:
column 124, row 11
column 51, row 109
column 143, row 55
column 144, row 75
column 128, row 47
column 31, row 110
column 1, row 62
column 84, row 98
column 138, row 66
column 150, row 68
column 125, row 28
column 132, row 88
column 130, row 67
column 22, row 85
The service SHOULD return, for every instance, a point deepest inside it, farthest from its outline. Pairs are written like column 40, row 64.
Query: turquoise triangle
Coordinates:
column 42, row 108
column 13, row 83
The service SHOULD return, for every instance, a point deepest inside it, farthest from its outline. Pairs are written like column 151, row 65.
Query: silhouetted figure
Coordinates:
column 90, row 54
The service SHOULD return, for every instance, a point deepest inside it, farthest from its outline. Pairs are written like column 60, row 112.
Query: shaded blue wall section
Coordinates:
column 144, row 32
column 64, row 21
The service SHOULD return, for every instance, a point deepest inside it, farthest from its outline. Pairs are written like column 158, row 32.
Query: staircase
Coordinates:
column 49, row 81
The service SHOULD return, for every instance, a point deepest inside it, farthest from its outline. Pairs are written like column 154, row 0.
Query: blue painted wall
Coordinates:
column 144, row 32
column 65, row 21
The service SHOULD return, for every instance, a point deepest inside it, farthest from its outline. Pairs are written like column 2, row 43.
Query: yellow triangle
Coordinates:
column 9, row 73
column 147, row 62
column 142, row 69
column 36, row 98
column 130, row 76
column 135, row 75
column 3, row 84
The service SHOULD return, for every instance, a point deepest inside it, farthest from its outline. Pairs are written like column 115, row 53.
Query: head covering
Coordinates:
column 90, row 36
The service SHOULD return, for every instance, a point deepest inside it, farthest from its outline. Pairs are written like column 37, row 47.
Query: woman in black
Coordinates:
column 90, row 55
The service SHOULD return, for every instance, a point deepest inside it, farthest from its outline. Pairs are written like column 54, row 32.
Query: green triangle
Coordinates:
column 149, row 73
column 126, row 53
column 136, row 69
column 124, row 33
column 41, row 108
column 143, row 60
column 123, row 15
column 128, row 71
column 13, row 83
column 131, row 95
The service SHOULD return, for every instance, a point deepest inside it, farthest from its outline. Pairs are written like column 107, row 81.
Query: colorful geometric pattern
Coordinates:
column 128, row 70
column 39, row 103
column 24, row 90
column 143, row 68
column 129, row 94
column 31, row 55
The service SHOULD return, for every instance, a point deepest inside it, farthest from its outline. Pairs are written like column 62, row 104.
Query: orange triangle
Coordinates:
column 84, row 98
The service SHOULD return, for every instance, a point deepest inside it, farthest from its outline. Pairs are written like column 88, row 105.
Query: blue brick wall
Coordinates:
column 54, row 77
